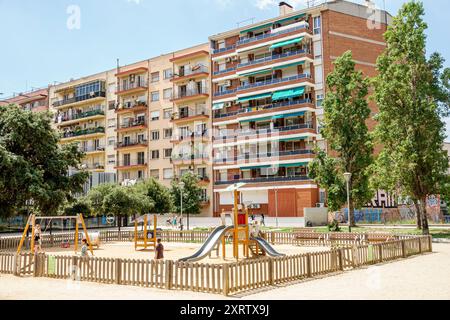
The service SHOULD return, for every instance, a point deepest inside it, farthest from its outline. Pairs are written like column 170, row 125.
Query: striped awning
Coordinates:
column 285, row 43
column 288, row 115
column 290, row 93
column 258, row 96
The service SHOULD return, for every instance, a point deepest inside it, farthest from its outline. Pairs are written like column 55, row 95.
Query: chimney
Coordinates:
column 285, row 8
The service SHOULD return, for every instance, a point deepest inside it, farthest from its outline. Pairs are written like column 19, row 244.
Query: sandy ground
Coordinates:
column 173, row 251
column 420, row 277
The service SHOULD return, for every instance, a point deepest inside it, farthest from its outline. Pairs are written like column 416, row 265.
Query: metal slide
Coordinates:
column 209, row 244
column 267, row 247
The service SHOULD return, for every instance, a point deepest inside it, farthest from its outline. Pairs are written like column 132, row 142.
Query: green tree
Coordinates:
column 345, row 129
column 33, row 165
column 78, row 206
column 412, row 93
column 191, row 194
column 158, row 194
column 97, row 195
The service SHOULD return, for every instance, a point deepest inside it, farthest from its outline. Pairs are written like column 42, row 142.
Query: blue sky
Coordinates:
column 38, row 48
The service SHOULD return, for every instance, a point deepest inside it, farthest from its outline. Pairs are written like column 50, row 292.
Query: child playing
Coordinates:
column 159, row 250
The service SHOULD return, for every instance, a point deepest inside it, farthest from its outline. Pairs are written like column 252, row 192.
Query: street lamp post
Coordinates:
column 348, row 177
column 181, row 200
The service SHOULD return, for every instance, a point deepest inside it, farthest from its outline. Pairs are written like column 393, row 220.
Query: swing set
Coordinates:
column 145, row 241
column 65, row 243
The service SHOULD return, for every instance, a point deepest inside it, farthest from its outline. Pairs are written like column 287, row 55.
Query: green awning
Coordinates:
column 288, row 115
column 257, row 28
column 257, row 119
column 258, row 96
column 285, row 43
column 293, row 165
column 218, row 106
column 254, row 167
column 289, row 65
column 290, row 93
column 256, row 73
column 291, row 18
column 292, row 139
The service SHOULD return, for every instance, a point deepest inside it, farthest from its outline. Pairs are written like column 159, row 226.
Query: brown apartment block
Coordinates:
column 268, row 87
column 35, row 101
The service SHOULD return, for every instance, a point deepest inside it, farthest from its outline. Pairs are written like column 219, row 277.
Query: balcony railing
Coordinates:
column 77, row 133
column 92, row 149
column 190, row 72
column 132, row 85
column 265, row 180
column 190, row 135
column 131, row 143
column 82, row 115
column 185, row 157
column 273, row 81
column 187, row 113
column 190, row 93
column 225, row 92
column 216, row 73
column 271, row 57
column 229, row 134
column 229, row 48
column 93, row 95
column 93, row 166
column 131, row 163
column 131, row 105
column 249, row 156
column 264, row 107
column 133, row 123
column 272, row 34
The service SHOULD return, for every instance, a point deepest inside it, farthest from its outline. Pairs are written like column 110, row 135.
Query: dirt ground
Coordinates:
column 419, row 277
column 173, row 251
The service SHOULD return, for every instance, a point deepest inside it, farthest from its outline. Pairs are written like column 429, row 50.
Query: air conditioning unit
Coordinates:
column 320, row 205
column 228, row 60
column 228, row 104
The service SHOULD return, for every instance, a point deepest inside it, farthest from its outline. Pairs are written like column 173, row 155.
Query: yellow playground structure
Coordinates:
column 32, row 222
column 142, row 240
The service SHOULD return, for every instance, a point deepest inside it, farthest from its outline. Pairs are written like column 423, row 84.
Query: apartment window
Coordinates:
column 126, row 159
column 221, row 44
column 204, row 195
column 317, row 25
column 167, row 93
column 140, row 174
column 141, row 157
column 168, row 133
column 319, row 100
column 222, row 66
column 155, row 76
column 126, row 176
column 318, row 74
column 155, row 96
column 154, row 174
column 155, row 154
column 112, row 159
column 317, row 49
column 168, row 174
column 168, row 113
column 167, row 153
column 154, row 115
column 111, row 141
column 111, row 105
column 111, row 123
column 155, row 135
column 168, row 74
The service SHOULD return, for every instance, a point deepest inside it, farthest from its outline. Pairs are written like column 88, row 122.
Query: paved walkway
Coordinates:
column 420, row 277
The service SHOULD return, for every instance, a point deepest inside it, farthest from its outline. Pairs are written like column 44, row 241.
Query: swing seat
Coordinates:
column 65, row 245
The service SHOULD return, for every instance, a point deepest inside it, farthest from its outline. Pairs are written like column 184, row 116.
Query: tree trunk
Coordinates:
column 119, row 222
column 424, row 217
column 418, row 215
column 352, row 216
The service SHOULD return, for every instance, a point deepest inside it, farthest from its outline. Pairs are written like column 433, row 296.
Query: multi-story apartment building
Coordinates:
column 35, row 101
column 268, row 86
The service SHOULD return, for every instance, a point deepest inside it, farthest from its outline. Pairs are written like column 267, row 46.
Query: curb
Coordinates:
column 447, row 241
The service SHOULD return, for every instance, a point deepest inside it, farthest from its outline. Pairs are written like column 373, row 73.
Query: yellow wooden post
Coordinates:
column 155, row 225
column 247, row 236
column 224, row 248
column 76, row 234
column 33, row 228
column 145, row 231
column 86, row 233
column 24, row 235
column 135, row 234
column 236, row 226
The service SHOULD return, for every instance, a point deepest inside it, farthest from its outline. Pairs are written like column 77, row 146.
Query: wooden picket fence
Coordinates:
column 226, row 279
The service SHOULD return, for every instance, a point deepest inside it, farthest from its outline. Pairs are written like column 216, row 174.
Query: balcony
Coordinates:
column 265, row 180
column 187, row 115
column 223, row 50
column 92, row 149
column 263, row 108
column 249, row 158
column 93, row 166
column 132, row 164
column 139, row 85
column 135, row 124
column 129, row 106
column 273, row 34
column 225, row 93
column 84, row 132
column 191, row 136
column 275, row 57
column 80, row 99
column 131, row 144
column 231, row 134
column 189, row 158
column 260, row 84
column 187, row 95
column 218, row 73
column 190, row 74
column 63, row 119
